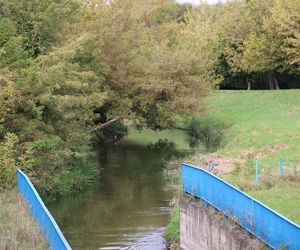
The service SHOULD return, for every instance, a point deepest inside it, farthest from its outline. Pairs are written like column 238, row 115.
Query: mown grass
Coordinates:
column 18, row 229
column 284, row 200
column 264, row 125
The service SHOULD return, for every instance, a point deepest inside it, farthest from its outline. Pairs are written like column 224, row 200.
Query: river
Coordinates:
column 128, row 206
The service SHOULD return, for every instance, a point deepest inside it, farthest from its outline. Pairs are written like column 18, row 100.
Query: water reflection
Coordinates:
column 126, row 209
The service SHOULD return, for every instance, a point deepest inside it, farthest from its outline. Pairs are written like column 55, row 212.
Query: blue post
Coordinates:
column 281, row 166
column 211, row 166
column 213, row 209
column 247, row 234
column 205, row 204
column 256, row 171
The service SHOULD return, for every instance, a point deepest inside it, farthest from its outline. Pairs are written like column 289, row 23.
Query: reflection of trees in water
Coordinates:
column 165, row 148
column 163, row 145
column 129, row 195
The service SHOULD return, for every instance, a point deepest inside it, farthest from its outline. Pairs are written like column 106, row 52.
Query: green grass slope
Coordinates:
column 266, row 125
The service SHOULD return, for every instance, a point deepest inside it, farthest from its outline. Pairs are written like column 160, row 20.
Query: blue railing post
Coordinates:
column 281, row 166
column 42, row 215
column 211, row 166
column 256, row 171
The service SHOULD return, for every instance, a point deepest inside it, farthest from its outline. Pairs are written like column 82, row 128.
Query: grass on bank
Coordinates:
column 284, row 200
column 264, row 125
column 171, row 233
column 18, row 229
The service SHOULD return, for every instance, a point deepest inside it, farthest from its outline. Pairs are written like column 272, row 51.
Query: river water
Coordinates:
column 127, row 207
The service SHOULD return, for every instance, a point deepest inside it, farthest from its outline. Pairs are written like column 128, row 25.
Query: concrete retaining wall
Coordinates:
column 203, row 229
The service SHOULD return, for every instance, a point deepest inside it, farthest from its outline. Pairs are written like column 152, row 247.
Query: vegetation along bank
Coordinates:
column 250, row 125
column 71, row 71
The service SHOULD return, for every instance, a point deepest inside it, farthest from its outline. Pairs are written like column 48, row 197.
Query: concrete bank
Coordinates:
column 203, row 229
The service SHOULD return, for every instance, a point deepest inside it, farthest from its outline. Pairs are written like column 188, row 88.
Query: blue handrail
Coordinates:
column 40, row 212
column 269, row 226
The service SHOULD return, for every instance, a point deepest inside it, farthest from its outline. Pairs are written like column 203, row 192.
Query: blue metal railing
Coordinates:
column 45, row 220
column 272, row 228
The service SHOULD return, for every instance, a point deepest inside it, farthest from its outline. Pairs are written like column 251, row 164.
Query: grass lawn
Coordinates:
column 266, row 125
column 284, row 200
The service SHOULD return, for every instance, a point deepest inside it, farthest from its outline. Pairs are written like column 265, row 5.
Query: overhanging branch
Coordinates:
column 106, row 124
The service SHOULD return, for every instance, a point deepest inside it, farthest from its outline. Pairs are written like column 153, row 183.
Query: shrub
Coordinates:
column 8, row 161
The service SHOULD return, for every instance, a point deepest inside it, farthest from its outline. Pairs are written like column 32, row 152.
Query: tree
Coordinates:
column 40, row 23
column 155, row 73
column 287, row 18
column 250, row 43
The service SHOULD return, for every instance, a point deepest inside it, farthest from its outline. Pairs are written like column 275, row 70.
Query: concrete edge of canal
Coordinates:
column 203, row 228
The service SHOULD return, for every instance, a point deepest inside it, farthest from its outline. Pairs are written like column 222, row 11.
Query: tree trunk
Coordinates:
column 273, row 82
column 248, row 84
column 276, row 82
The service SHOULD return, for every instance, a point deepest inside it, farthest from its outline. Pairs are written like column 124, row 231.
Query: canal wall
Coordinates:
column 203, row 228
column 256, row 218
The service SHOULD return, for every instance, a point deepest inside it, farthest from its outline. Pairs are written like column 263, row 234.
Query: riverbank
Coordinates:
column 18, row 229
column 263, row 125
column 256, row 124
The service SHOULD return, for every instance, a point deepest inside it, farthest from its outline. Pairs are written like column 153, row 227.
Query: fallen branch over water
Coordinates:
column 106, row 124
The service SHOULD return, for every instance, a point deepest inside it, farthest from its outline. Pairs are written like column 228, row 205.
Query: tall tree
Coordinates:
column 286, row 15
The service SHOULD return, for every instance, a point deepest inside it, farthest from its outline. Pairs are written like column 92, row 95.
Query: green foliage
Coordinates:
column 206, row 130
column 66, row 66
column 13, row 55
column 155, row 68
column 8, row 161
column 7, row 30
column 49, row 100
column 258, row 43
column 40, row 23
column 286, row 17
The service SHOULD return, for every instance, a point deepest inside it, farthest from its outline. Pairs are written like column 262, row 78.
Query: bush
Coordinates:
column 58, row 168
column 207, row 131
column 8, row 161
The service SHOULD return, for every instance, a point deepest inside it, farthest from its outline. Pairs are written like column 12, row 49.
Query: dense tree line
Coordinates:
column 67, row 66
column 259, row 44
